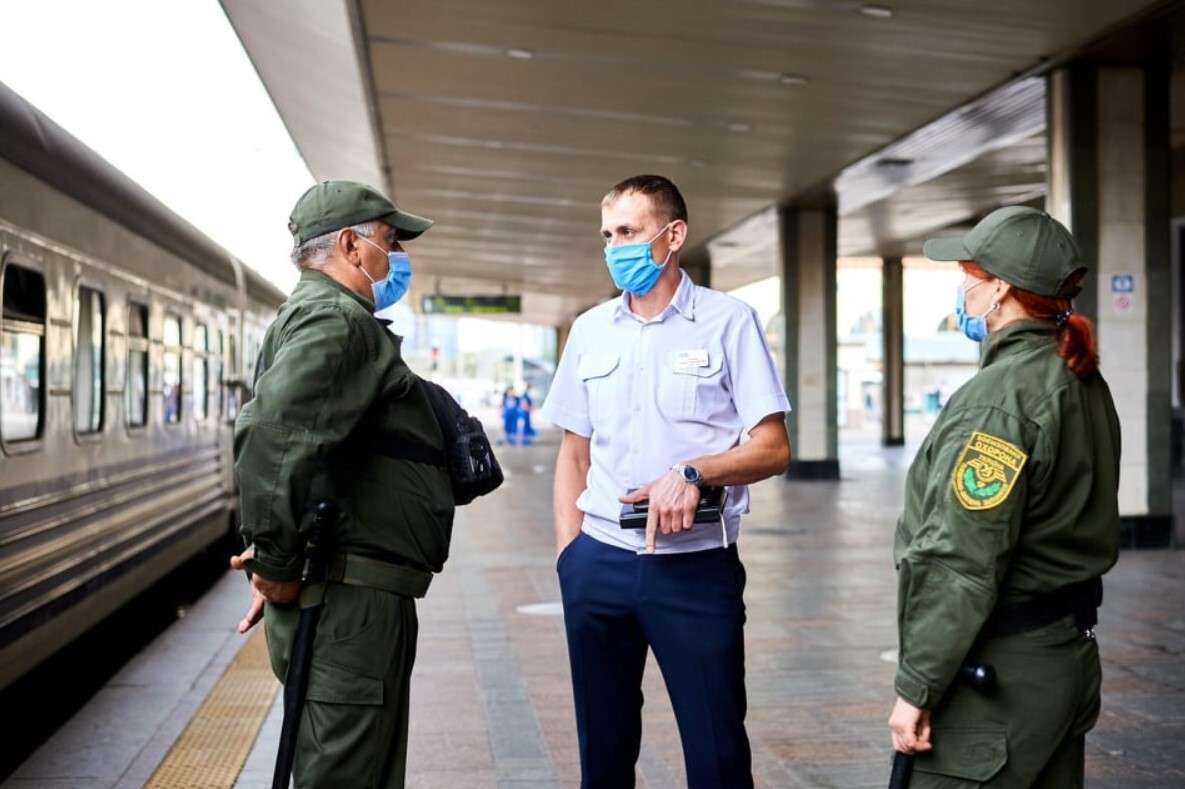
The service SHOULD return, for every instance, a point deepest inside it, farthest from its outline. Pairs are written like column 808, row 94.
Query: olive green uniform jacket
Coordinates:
column 329, row 382
column 1012, row 494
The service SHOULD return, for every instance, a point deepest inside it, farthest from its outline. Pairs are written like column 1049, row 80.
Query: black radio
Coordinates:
column 709, row 510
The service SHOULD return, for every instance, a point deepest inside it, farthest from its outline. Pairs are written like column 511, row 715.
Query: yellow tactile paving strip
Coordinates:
column 211, row 751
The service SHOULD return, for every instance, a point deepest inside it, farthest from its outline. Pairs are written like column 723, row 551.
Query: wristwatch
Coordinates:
column 690, row 474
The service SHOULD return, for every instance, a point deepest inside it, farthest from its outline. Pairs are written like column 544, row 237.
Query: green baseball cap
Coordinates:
column 332, row 205
column 1020, row 245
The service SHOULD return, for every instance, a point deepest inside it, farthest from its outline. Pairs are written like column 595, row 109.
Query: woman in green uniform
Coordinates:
column 1011, row 518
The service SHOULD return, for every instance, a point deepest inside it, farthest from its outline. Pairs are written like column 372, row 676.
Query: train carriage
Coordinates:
column 123, row 362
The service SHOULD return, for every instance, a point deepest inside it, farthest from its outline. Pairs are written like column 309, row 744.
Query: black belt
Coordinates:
column 353, row 570
column 1080, row 600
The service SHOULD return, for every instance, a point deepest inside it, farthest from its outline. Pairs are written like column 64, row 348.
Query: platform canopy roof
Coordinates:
column 507, row 121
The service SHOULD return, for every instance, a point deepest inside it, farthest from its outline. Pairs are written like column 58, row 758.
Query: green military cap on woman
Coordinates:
column 1011, row 518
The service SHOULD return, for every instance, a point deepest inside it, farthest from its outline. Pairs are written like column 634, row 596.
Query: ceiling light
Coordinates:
column 697, row 163
column 876, row 11
column 739, row 127
column 792, row 79
column 520, row 54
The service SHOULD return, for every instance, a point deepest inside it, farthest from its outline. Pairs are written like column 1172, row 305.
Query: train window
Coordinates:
column 201, row 372
column 219, row 370
column 171, row 370
column 90, row 318
column 22, row 354
column 252, row 343
column 136, row 392
column 232, row 392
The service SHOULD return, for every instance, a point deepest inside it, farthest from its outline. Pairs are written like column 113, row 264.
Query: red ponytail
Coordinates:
column 1076, row 344
column 1075, row 333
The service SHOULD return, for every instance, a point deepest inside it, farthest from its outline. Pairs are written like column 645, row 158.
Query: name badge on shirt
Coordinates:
column 686, row 360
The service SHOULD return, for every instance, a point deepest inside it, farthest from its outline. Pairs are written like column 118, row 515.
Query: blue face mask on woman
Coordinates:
column 973, row 326
column 392, row 287
column 632, row 266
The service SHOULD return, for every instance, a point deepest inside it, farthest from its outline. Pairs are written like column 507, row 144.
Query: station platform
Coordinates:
column 491, row 701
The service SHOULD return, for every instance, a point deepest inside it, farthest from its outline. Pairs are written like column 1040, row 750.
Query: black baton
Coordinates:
column 297, row 682
column 982, row 677
column 902, row 770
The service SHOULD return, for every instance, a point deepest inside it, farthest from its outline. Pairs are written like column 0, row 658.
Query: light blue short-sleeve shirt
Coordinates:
column 652, row 393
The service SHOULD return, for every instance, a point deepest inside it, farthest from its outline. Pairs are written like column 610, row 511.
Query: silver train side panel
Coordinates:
column 88, row 521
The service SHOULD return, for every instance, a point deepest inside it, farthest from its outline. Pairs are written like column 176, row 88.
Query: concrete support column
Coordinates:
column 807, row 241
column 698, row 265
column 1109, row 182
column 893, row 334
column 1072, row 193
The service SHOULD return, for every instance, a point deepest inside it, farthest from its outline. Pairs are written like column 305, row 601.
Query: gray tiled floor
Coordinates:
column 492, row 683
column 491, row 705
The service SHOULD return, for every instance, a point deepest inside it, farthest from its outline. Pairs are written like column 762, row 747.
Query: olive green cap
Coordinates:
column 1023, row 246
column 332, row 205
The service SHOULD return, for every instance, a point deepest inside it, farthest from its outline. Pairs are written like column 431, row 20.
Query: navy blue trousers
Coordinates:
column 688, row 608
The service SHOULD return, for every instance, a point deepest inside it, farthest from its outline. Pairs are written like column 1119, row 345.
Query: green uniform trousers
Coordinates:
column 353, row 732
column 1031, row 731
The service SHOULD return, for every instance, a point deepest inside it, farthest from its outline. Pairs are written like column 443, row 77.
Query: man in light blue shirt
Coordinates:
column 661, row 392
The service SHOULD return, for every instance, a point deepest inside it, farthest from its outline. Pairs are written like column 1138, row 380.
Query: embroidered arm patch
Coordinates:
column 987, row 471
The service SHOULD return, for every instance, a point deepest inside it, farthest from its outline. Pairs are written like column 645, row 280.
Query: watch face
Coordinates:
column 690, row 474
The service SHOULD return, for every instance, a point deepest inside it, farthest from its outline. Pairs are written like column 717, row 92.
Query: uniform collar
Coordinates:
column 1016, row 337
column 682, row 302
column 319, row 281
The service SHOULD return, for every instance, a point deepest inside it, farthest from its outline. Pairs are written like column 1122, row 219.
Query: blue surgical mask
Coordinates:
column 392, row 287
column 632, row 266
column 973, row 326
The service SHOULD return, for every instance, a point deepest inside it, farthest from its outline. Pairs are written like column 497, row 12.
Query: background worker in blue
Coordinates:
column 526, row 405
column 510, row 415
column 655, row 392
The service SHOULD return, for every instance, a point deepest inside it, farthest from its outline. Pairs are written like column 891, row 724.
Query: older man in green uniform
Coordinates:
column 331, row 396
column 1011, row 518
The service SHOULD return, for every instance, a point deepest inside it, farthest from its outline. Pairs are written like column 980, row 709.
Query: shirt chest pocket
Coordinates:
column 599, row 374
column 691, row 385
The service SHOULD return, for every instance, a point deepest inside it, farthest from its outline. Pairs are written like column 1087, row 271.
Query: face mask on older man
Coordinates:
column 392, row 287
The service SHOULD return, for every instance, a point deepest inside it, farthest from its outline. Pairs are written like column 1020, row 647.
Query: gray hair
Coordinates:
column 319, row 247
